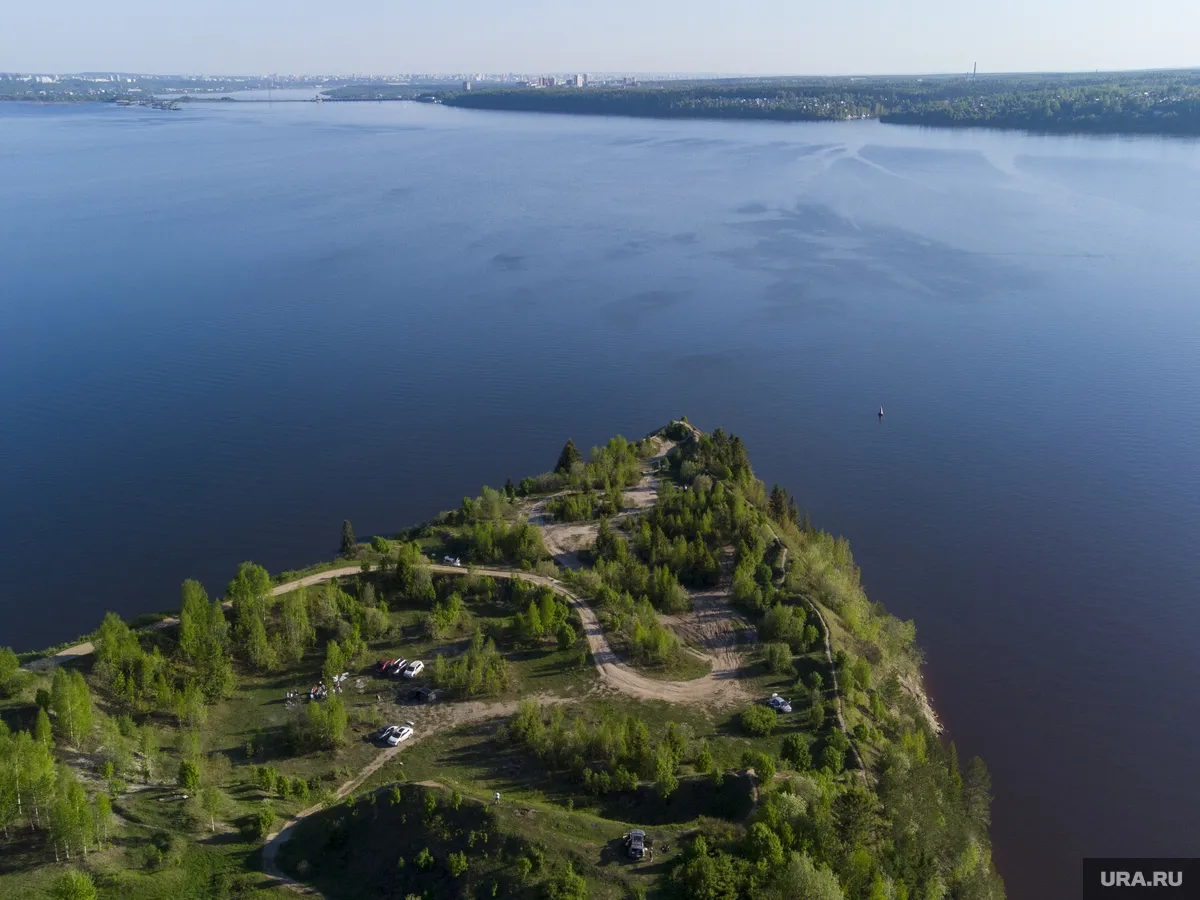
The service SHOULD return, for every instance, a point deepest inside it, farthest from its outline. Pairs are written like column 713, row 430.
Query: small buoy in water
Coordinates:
column 881, row 412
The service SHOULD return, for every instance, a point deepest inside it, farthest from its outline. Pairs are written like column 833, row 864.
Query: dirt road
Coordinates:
column 718, row 688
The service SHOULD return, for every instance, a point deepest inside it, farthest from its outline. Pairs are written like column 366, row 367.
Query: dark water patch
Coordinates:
column 508, row 262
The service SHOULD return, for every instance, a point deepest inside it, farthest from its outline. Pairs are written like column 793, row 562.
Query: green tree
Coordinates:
column 349, row 546
column 704, row 760
column 977, row 797
column 567, row 885
column 193, row 621
column 71, row 818
column 42, row 732
column 566, row 636
column 103, row 815
column 210, row 802
column 457, row 863
column 778, row 656
column 10, row 671
column 800, row 877
column 665, row 781
column 335, row 715
column 73, row 885
column 569, row 457
column 758, row 721
column 189, row 776
column 796, row 753
column 148, row 748
column 763, row 845
column 833, row 759
column 295, row 631
column 72, row 704
column 708, row 877
column 335, row 662
column 263, row 819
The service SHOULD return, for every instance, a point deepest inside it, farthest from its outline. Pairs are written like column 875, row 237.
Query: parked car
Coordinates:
column 778, row 704
column 423, row 695
column 401, row 734
column 397, row 666
column 384, row 665
column 635, row 843
column 415, row 668
column 386, row 732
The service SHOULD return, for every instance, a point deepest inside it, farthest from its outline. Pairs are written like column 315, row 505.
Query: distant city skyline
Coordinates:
column 702, row 37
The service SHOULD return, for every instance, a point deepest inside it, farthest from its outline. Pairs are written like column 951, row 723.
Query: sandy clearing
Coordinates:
column 713, row 626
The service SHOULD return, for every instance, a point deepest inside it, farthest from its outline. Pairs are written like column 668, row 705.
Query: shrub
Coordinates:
column 264, row 818
column 457, row 863
column 73, row 885
column 566, row 885
column 758, row 721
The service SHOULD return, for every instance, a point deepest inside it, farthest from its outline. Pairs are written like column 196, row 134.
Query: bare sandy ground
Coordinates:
column 713, row 626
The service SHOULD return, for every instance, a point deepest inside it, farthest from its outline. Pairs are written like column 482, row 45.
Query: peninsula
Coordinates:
column 638, row 674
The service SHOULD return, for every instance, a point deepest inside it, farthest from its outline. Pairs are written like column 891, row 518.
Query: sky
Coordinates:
column 663, row 36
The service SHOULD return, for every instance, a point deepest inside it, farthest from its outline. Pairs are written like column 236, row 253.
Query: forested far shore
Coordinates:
column 1137, row 103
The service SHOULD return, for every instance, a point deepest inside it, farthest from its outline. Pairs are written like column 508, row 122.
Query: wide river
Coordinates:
column 225, row 329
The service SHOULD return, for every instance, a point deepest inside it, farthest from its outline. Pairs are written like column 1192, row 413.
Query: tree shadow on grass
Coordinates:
column 511, row 769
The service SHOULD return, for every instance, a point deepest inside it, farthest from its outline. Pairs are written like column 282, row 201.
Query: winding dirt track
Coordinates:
column 718, row 688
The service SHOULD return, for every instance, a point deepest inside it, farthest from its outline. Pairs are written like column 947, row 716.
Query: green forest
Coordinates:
column 165, row 761
column 1165, row 102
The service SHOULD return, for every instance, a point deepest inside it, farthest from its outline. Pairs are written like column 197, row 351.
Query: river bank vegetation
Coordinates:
column 161, row 763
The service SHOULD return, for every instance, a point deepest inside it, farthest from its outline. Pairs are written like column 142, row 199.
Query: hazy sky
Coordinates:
column 734, row 36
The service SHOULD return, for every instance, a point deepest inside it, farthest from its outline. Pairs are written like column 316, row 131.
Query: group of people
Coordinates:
column 317, row 692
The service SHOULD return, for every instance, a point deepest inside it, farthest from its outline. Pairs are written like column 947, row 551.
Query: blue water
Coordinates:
column 225, row 329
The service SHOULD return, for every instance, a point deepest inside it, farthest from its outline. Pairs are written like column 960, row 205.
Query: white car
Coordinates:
column 386, row 732
column 403, row 733
column 415, row 668
column 778, row 704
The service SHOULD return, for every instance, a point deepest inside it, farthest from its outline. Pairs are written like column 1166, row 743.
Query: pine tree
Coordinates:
column 569, row 456
column 510, row 489
column 349, row 545
column 778, row 504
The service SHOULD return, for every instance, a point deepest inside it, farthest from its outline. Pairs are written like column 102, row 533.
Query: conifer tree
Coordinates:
column 349, row 545
column 569, row 456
